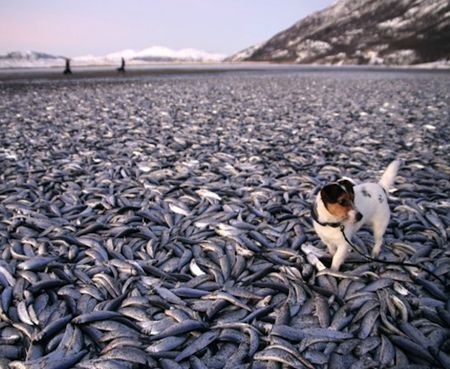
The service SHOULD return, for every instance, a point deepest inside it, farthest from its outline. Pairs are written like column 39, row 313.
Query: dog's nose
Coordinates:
column 358, row 216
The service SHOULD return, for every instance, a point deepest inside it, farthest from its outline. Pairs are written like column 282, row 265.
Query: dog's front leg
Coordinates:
column 331, row 248
column 339, row 256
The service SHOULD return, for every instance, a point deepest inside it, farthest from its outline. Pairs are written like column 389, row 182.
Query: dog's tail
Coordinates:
column 388, row 177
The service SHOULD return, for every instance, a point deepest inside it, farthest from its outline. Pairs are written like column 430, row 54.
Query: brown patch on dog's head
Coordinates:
column 338, row 198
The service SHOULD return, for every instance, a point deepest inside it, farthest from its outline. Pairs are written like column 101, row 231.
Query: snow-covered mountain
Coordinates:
column 392, row 32
column 157, row 53
column 28, row 59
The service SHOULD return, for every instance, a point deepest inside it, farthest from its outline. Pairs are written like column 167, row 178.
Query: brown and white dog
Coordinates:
column 345, row 207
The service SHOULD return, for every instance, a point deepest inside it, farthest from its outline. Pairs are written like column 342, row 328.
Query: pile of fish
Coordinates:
column 165, row 223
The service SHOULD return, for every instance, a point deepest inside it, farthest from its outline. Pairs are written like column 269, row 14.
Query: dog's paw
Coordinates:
column 375, row 253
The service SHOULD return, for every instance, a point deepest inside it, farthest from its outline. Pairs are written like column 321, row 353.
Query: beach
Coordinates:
column 161, row 218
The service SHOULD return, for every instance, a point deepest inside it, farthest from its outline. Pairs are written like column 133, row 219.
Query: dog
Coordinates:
column 344, row 207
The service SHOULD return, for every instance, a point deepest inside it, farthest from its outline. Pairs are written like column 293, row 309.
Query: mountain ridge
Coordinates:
column 392, row 32
column 28, row 59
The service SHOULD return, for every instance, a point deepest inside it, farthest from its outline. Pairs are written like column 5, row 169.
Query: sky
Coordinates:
column 98, row 27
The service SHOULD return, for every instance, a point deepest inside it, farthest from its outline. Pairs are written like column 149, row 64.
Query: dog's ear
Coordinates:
column 330, row 193
column 348, row 185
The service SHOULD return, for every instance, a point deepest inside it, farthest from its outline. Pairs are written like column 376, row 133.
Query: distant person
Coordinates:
column 67, row 70
column 122, row 67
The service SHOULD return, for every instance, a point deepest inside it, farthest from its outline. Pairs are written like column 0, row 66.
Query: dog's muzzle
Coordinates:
column 355, row 216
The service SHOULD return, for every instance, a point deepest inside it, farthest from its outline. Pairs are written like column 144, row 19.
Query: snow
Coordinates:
column 394, row 23
column 127, row 54
column 244, row 54
column 317, row 46
column 373, row 57
column 401, row 57
column 435, row 6
column 295, row 41
column 439, row 64
column 31, row 59
column 311, row 48
column 278, row 54
column 162, row 52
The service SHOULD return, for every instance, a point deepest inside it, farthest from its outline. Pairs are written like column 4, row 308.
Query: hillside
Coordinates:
column 392, row 32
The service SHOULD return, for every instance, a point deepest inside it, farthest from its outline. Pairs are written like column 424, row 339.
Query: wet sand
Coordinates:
column 110, row 73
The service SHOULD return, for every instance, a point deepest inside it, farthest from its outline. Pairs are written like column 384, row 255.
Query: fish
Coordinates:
column 198, row 344
column 145, row 222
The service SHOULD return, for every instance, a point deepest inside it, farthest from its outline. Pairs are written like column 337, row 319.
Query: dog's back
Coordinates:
column 371, row 202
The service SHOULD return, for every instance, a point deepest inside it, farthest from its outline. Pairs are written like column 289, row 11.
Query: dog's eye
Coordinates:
column 343, row 202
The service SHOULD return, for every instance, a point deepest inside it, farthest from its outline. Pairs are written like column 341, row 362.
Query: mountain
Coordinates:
column 391, row 32
column 29, row 55
column 29, row 59
column 26, row 59
column 160, row 53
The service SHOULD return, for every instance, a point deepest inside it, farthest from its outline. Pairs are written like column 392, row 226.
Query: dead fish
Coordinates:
column 134, row 244
column 279, row 356
column 37, row 263
column 180, row 328
column 166, row 344
column 95, row 316
column 297, row 335
column 177, row 209
column 198, row 344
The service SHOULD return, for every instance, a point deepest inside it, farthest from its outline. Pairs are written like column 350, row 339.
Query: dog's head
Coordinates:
column 338, row 198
